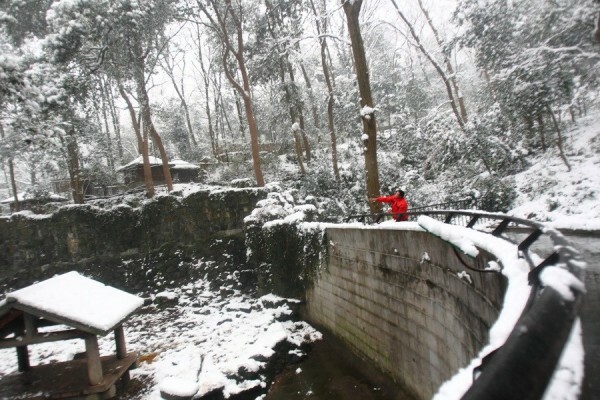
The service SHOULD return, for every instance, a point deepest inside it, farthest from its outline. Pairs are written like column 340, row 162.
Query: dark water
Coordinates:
column 331, row 373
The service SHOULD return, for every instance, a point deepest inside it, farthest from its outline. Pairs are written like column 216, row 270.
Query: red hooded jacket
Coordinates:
column 399, row 205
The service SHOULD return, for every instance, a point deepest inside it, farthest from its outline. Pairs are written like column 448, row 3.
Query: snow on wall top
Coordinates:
column 78, row 301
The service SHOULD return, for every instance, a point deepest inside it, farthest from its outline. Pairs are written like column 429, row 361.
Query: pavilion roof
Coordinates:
column 74, row 300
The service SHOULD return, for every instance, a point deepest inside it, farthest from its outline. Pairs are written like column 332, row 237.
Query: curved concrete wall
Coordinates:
column 395, row 298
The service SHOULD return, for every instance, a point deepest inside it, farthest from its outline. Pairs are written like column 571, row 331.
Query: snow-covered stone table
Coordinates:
column 68, row 306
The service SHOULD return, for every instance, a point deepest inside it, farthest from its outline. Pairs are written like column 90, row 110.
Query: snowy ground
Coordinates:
column 564, row 199
column 226, row 334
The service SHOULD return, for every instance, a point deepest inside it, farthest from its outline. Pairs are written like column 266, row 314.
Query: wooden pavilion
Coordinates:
column 181, row 171
column 68, row 306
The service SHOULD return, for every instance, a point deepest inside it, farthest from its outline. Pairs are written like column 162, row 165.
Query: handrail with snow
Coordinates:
column 523, row 367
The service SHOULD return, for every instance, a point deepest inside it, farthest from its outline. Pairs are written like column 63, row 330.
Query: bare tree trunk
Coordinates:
column 243, row 89
column 435, row 64
column 148, row 129
column 144, row 102
column 322, row 32
column 311, row 96
column 218, row 103
column 541, row 127
column 142, row 139
column 116, row 123
column 457, row 92
column 292, row 111
column 352, row 11
column 238, row 107
column 132, row 115
column 298, row 147
column 13, row 184
column 110, row 156
column 559, row 140
column 597, row 32
column 206, row 79
column 253, row 128
column 11, row 173
column 299, row 110
column 180, row 90
column 74, row 170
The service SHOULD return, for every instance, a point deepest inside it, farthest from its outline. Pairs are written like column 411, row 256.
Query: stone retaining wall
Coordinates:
column 89, row 238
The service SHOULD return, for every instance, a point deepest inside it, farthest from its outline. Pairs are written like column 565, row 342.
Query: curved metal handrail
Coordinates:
column 523, row 366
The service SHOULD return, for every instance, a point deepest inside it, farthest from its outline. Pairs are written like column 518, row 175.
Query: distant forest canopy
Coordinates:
column 356, row 96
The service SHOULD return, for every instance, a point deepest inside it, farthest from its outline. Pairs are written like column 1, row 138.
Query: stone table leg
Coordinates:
column 94, row 364
column 121, row 350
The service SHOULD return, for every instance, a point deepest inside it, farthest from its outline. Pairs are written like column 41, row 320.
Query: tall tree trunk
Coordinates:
column 292, row 110
column 352, row 11
column 298, row 146
column 438, row 39
column 104, row 105
column 541, row 128
column 297, row 103
column 597, row 32
column 253, row 128
column 311, row 96
column 559, row 139
column 116, row 123
column 322, row 32
column 11, row 173
column 180, row 91
column 206, row 80
column 244, row 88
column 436, row 65
column 74, row 170
column 148, row 129
column 132, row 115
column 13, row 184
column 142, row 139
column 240, row 114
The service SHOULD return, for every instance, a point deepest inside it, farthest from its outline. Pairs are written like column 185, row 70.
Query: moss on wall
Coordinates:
column 129, row 246
column 286, row 256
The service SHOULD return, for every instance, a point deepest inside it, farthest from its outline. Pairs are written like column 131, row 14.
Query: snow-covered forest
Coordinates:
column 326, row 102
column 448, row 100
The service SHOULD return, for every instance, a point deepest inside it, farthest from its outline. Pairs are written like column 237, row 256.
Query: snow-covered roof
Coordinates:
column 140, row 160
column 28, row 196
column 180, row 164
column 74, row 300
column 174, row 164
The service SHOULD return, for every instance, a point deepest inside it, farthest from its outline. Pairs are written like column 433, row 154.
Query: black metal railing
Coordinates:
column 523, row 366
column 464, row 204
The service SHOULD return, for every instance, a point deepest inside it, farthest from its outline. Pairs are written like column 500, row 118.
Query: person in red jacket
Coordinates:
column 398, row 203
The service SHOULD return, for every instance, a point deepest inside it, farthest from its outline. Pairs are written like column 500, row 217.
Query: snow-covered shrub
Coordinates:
column 283, row 246
column 495, row 194
column 489, row 140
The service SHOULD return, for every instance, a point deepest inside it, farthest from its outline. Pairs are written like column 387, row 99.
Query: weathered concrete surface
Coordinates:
column 394, row 297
